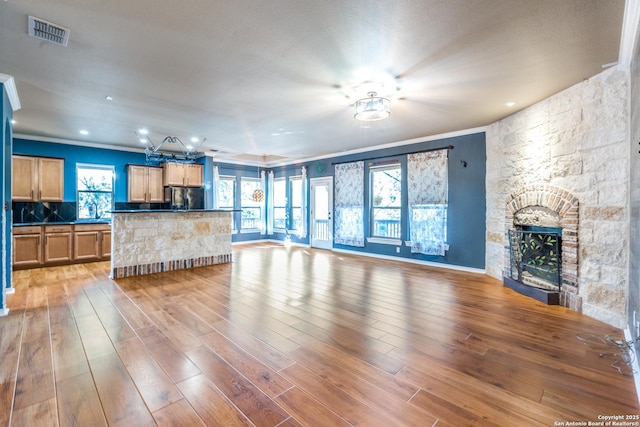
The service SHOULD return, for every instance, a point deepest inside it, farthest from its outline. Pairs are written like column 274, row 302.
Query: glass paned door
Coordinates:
column 321, row 213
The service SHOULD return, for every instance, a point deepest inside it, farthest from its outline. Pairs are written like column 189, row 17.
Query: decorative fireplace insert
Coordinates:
column 535, row 258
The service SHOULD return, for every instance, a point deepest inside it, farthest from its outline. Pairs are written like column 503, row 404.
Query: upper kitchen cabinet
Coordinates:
column 183, row 174
column 37, row 179
column 144, row 184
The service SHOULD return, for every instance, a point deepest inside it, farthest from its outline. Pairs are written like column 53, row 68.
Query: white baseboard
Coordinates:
column 372, row 255
column 415, row 261
column 247, row 242
column 634, row 364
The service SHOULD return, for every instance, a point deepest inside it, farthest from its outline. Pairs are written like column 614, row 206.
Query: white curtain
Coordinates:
column 427, row 179
column 349, row 204
column 302, row 233
column 270, row 203
column 216, row 187
column 263, row 204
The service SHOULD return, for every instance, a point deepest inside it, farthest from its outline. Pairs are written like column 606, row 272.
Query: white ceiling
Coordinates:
column 273, row 80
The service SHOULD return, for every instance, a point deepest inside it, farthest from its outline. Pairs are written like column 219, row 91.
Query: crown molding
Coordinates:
column 381, row 147
column 77, row 143
column 10, row 87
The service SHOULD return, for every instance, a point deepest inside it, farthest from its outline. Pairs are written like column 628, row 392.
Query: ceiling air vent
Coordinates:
column 43, row 30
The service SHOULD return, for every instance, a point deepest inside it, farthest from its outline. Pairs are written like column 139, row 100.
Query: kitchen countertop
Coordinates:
column 31, row 224
column 174, row 210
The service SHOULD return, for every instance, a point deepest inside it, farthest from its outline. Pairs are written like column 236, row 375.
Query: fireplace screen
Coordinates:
column 535, row 258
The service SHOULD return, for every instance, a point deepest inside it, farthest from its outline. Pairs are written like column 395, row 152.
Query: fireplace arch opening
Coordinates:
column 546, row 218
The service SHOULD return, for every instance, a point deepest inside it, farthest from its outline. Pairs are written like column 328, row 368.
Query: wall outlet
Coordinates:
column 397, row 250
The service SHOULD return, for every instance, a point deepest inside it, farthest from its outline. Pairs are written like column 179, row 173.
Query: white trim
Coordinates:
column 634, row 364
column 4, row 312
column 385, row 257
column 629, row 32
column 384, row 241
column 415, row 261
column 221, row 160
column 10, row 86
column 464, row 132
column 246, row 242
column 78, row 143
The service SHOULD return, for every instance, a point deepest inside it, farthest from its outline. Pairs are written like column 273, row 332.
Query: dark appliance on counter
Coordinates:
column 184, row 198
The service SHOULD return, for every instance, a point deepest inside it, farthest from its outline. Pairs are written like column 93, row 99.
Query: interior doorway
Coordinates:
column 321, row 212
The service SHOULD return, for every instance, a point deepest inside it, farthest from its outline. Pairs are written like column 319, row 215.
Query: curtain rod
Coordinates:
column 448, row 147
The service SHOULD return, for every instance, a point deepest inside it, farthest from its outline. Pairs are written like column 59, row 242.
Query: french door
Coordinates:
column 321, row 212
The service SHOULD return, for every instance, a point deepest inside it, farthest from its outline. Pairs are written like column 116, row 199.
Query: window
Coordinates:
column 227, row 194
column 280, row 203
column 95, row 191
column 251, row 209
column 296, row 202
column 386, row 200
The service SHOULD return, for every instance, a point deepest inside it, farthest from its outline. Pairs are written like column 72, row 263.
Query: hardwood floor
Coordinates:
column 290, row 337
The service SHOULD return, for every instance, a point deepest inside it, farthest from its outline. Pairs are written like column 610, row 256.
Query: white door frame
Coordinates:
column 324, row 241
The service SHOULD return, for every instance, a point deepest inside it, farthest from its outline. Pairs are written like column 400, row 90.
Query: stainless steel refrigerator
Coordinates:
column 184, row 198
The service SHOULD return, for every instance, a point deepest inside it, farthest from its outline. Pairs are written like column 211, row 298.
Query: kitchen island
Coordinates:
column 153, row 241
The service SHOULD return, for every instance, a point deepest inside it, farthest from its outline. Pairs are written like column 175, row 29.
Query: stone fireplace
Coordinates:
column 550, row 214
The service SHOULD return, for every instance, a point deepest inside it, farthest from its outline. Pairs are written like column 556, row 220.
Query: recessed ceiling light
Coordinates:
column 189, row 147
column 84, row 132
column 510, row 104
column 109, row 98
column 143, row 140
column 143, row 131
column 195, row 139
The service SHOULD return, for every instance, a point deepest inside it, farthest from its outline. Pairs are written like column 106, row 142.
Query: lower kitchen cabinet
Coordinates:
column 58, row 243
column 89, row 242
column 37, row 246
column 27, row 247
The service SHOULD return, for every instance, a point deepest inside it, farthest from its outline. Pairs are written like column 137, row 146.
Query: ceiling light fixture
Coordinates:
column 84, row 132
column 154, row 155
column 372, row 108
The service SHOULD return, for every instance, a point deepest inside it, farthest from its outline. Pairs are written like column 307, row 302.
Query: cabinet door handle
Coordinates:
column 31, row 194
column 96, row 237
column 39, row 194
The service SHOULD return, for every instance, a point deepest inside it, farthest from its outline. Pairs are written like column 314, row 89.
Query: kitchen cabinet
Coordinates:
column 27, row 247
column 91, row 242
column 38, row 246
column 144, row 184
column 106, row 244
column 183, row 174
column 58, row 243
column 37, row 179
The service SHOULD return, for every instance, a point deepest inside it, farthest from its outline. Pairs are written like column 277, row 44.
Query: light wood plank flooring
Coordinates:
column 290, row 337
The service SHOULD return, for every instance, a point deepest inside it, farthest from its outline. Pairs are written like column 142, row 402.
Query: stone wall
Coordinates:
column 576, row 140
column 153, row 242
column 634, row 235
